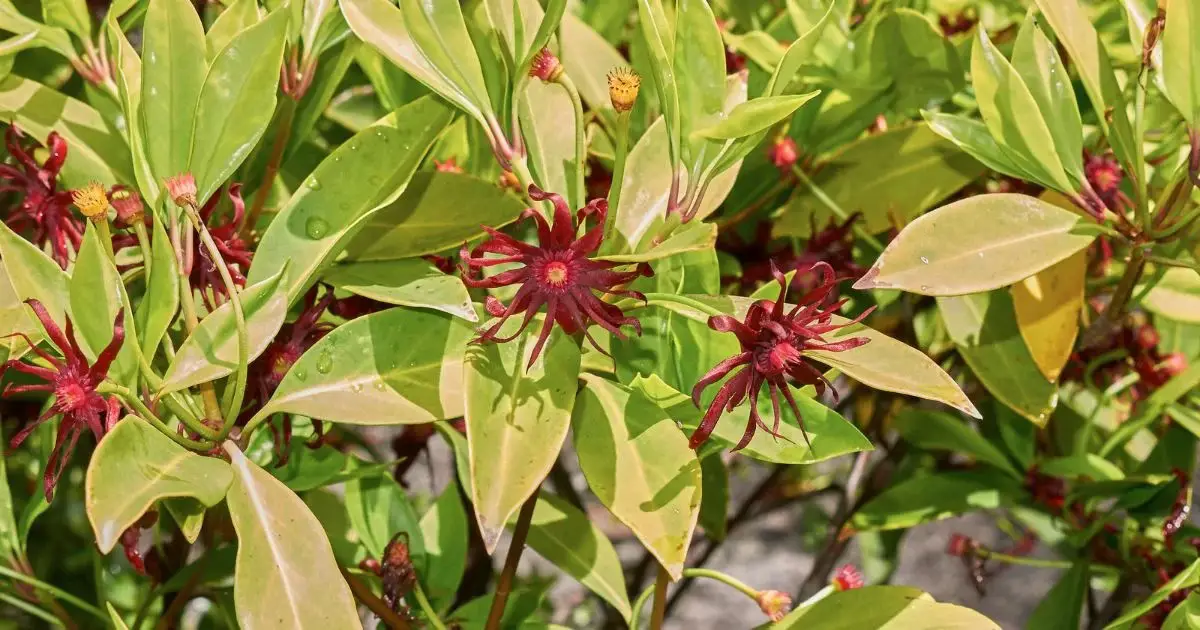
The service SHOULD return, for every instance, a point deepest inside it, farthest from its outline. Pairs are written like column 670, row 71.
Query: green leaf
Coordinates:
column 175, row 64
column 714, row 498
column 1014, row 117
column 1185, row 616
column 548, row 124
column 71, row 15
column 96, row 152
column 984, row 328
column 934, row 497
column 1186, row 578
column 133, row 467
column 694, row 236
column 1036, row 61
column 1089, row 58
column 335, row 200
column 562, row 534
column 243, row 78
column 658, row 31
column 96, row 298
column 440, row 32
column 588, row 58
column 938, row 430
column 118, row 623
column 286, row 575
column 894, row 175
column 239, row 16
column 1086, row 465
column 830, row 433
column 1175, row 296
column 973, row 136
column 1047, row 306
column 437, row 211
column 405, row 282
column 379, row 509
column 211, row 351
column 799, row 53
column 10, row 542
column 883, row 608
column 754, row 116
column 188, row 514
column 161, row 302
column 640, row 467
column 34, row 276
column 56, row 39
column 127, row 73
column 978, row 244
column 389, row 30
column 444, row 529
column 517, row 418
column 378, row 370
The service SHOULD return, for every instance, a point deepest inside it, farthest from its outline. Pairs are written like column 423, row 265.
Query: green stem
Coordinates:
column 430, row 614
column 1139, row 170
column 580, row 143
column 1042, row 563
column 144, row 413
column 505, row 583
column 239, row 383
column 187, row 305
column 837, row 210
column 618, row 175
column 659, row 612
column 55, row 592
column 727, row 580
column 139, row 228
column 105, row 234
column 30, row 609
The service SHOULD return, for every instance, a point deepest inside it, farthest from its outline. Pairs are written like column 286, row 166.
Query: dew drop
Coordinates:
column 152, row 58
column 313, row 184
column 925, row 260
column 925, row 287
column 316, row 227
column 379, row 385
column 324, row 363
column 302, row 375
column 354, row 147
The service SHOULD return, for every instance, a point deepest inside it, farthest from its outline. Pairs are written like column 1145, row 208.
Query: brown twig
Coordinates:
column 504, row 586
column 659, row 612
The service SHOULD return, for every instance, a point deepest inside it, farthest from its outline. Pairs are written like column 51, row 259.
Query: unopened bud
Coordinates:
column 623, row 85
column 129, row 207
column 182, row 189
column 774, row 604
column 546, row 66
column 846, row 578
column 784, row 153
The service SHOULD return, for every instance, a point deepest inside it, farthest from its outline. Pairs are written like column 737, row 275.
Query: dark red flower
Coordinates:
column 44, row 210
column 1047, row 490
column 144, row 558
column 960, row 545
column 847, row 577
column 1131, row 349
column 773, row 341
column 783, row 154
column 1104, row 175
column 557, row 273
column 396, row 569
column 268, row 370
column 203, row 273
column 73, row 383
column 952, row 25
column 355, row 306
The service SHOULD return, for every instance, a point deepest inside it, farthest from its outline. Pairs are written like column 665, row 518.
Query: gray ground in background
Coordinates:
column 770, row 552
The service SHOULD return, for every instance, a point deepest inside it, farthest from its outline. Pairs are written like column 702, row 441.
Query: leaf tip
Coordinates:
column 870, row 280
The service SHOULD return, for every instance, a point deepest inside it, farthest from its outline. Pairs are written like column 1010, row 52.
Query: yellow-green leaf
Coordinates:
column 136, row 465
column 1047, row 306
column 978, row 244
column 175, row 64
column 1176, row 296
column 286, row 577
column 517, row 418
column 639, row 465
column 1181, row 58
column 884, row 608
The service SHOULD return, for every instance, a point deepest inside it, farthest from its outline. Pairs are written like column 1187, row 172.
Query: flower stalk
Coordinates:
column 505, row 584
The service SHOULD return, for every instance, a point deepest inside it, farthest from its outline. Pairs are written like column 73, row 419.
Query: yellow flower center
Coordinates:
column 91, row 200
column 556, row 273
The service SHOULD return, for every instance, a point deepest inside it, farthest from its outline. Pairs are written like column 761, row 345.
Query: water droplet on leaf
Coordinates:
column 316, row 227
column 313, row 184
column 324, row 363
column 925, row 260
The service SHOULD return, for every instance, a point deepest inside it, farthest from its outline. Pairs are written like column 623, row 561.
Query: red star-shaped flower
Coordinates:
column 44, row 210
column 556, row 273
column 773, row 340
column 204, row 275
column 73, row 383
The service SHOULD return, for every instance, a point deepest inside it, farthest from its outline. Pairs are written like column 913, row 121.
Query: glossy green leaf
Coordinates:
column 71, row 15
column 388, row 30
column 34, row 275
column 1037, row 62
column 243, row 78
column 693, row 236
column 237, row 17
column 211, row 351
column 377, row 369
column 973, row 137
column 883, row 608
column 118, row 623
column 315, row 14
column 174, row 66
column 1186, row 615
column 286, row 575
column 830, row 433
column 548, row 122
column 127, row 73
column 517, row 418
column 14, row 21
column 1186, row 578
column 894, row 175
column 714, row 499
column 984, row 328
column 379, row 509
column 754, row 116
column 588, row 58
column 1086, row 465
column 437, row 211
column 562, row 534
column 934, row 497
column 978, row 244
column 444, row 529
column 133, row 467
column 658, row 31
column 96, row 152
column 97, row 296
column 640, row 467
column 10, row 542
column 938, row 430
column 799, row 53
column 405, row 282
column 361, row 175
column 1181, row 59
column 1013, row 115
column 1176, row 296
column 188, row 514
column 161, row 300
column 440, row 32
column 1072, row 24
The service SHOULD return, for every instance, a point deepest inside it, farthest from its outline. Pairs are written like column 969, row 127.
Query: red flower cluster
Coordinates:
column 833, row 245
column 773, row 340
column 44, row 210
column 1104, row 175
column 73, row 383
column 556, row 273
column 1131, row 349
column 202, row 272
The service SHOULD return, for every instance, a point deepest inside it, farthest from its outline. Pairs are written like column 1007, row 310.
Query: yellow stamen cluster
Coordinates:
column 91, row 200
column 623, row 84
